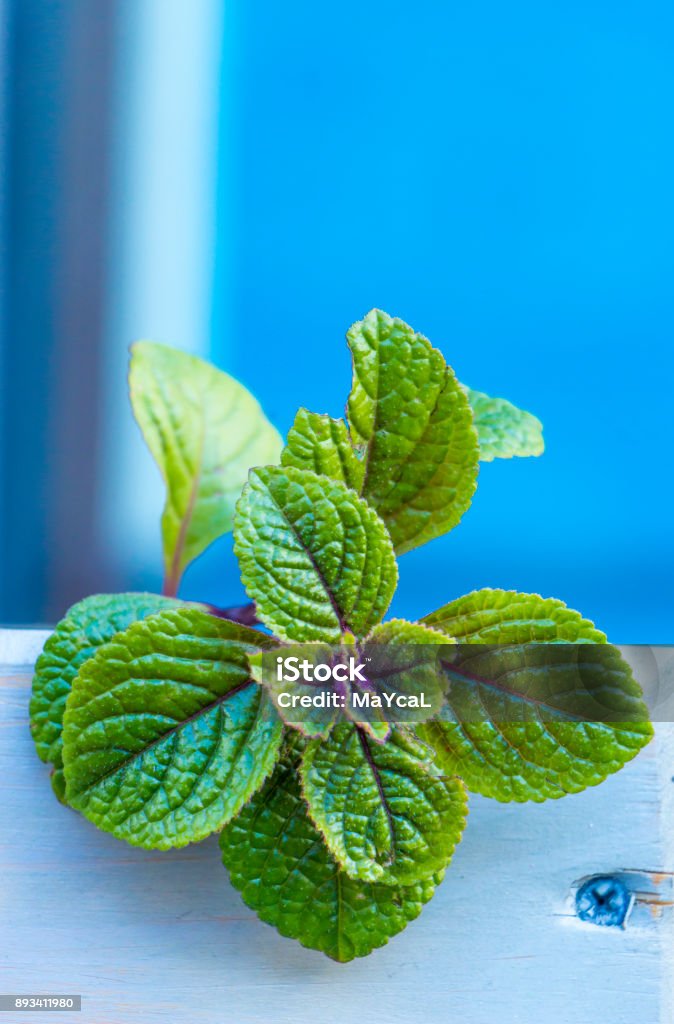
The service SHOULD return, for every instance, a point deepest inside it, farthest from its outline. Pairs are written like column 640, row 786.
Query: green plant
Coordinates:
column 152, row 711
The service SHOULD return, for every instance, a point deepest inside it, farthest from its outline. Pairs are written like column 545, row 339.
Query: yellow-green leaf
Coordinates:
column 205, row 431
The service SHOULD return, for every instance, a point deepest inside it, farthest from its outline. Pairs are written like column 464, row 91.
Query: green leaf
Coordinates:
column 529, row 722
column 503, row 430
column 314, row 557
column 58, row 784
column 205, row 431
column 323, row 445
column 284, row 872
column 165, row 735
column 402, row 665
column 87, row 625
column 505, row 616
column 385, row 812
column 413, row 428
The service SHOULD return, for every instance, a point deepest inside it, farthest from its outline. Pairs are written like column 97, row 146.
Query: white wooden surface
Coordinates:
column 150, row 937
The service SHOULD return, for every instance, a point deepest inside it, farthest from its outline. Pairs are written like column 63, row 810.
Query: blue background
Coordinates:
column 500, row 176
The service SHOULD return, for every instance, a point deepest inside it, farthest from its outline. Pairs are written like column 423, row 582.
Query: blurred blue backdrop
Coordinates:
column 498, row 176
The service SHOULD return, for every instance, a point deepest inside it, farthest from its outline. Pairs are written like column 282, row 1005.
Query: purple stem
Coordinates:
column 244, row 614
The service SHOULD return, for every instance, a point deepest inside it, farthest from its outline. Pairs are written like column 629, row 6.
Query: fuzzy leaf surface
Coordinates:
column 165, row 735
column 205, row 431
column 314, row 557
column 323, row 445
column 412, row 426
column 279, row 863
column 505, row 616
column 87, row 626
column 386, row 813
column 503, row 430
column 529, row 722
column 402, row 664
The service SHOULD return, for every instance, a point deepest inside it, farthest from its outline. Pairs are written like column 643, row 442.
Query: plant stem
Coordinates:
column 244, row 614
column 170, row 587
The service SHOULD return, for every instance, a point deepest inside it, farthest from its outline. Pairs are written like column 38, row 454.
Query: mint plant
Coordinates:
column 162, row 728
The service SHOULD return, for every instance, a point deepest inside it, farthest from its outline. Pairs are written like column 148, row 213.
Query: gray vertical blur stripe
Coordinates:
column 57, row 108
column 163, row 235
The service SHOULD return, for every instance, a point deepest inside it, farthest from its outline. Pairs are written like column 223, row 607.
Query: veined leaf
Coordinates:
column 523, row 723
column 87, row 626
column 314, row 557
column 323, row 445
column 503, row 430
column 205, row 431
column 385, row 812
column 412, row 424
column 506, row 616
column 165, row 736
column 283, row 870
column 402, row 663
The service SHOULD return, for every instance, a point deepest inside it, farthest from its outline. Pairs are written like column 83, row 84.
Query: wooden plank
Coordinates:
column 19, row 648
column 150, row 937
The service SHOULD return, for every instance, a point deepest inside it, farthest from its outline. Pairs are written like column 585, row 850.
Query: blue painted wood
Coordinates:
column 162, row 937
